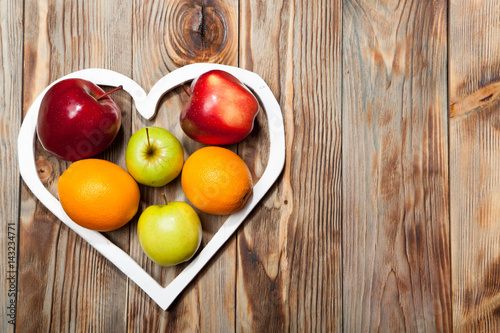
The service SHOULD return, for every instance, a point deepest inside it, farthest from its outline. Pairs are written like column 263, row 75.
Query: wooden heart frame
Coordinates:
column 146, row 105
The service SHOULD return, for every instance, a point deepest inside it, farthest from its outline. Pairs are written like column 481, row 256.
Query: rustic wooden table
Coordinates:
column 385, row 218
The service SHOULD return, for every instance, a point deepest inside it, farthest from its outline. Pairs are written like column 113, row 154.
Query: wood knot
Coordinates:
column 476, row 101
column 43, row 168
column 200, row 32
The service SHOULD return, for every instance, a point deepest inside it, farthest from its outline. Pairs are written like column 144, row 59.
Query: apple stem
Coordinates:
column 149, row 143
column 185, row 89
column 164, row 198
column 109, row 92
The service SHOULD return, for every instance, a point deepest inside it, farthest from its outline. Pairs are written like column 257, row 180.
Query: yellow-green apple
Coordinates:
column 220, row 109
column 77, row 119
column 154, row 156
column 169, row 234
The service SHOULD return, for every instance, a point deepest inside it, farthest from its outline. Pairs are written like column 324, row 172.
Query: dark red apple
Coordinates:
column 77, row 119
column 220, row 109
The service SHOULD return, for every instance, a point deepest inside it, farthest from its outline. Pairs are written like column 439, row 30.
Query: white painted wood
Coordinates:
column 146, row 105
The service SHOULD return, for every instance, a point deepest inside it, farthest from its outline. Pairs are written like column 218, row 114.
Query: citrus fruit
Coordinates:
column 216, row 181
column 98, row 194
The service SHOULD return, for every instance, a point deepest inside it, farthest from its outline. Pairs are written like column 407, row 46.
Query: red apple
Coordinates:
column 77, row 119
column 220, row 109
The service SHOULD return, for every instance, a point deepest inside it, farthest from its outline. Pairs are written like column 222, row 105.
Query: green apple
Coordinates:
column 169, row 234
column 154, row 156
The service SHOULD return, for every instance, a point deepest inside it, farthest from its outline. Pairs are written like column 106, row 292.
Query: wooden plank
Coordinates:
column 11, row 39
column 395, row 163
column 289, row 252
column 65, row 285
column 474, row 39
column 168, row 35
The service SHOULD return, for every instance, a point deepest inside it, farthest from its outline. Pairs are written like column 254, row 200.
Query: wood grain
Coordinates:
column 475, row 163
column 64, row 284
column 385, row 217
column 11, row 40
column 168, row 35
column 396, row 273
column 289, row 252
column 476, row 100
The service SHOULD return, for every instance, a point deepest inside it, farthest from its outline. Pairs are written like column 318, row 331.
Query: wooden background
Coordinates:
column 386, row 216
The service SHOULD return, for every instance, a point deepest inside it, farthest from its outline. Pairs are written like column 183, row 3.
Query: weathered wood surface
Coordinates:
column 395, row 167
column 384, row 219
column 188, row 32
column 11, row 85
column 65, row 285
column 289, row 252
column 475, row 164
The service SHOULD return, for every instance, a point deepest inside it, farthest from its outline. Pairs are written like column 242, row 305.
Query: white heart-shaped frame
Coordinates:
column 146, row 104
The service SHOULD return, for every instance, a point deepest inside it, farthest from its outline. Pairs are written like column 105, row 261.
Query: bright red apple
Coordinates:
column 77, row 119
column 220, row 109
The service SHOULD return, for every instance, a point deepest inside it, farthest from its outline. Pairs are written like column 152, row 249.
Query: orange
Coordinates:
column 216, row 180
column 98, row 194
